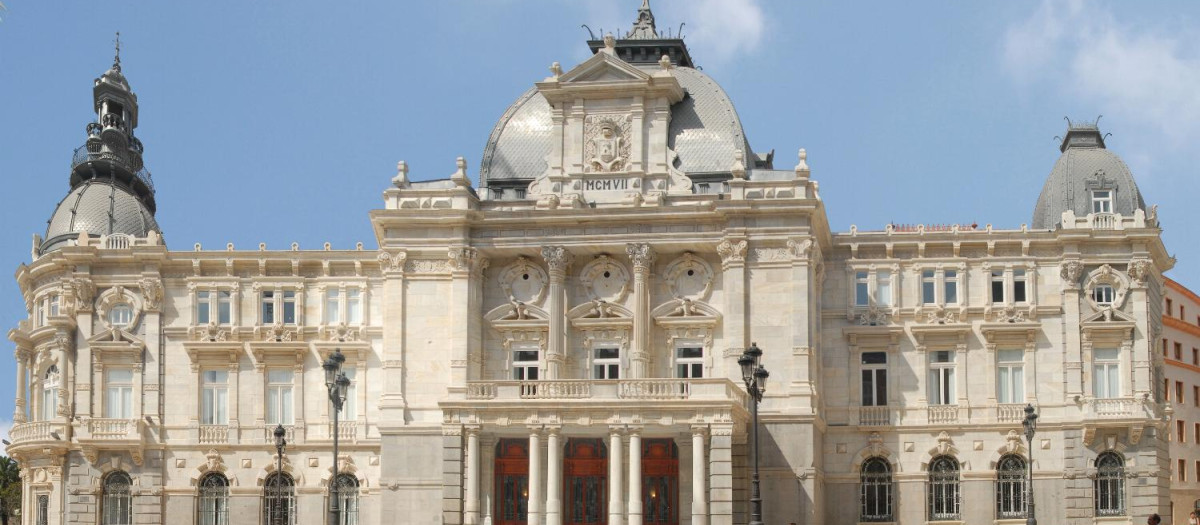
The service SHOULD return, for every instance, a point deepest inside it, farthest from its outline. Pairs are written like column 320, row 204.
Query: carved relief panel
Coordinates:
column 604, row 279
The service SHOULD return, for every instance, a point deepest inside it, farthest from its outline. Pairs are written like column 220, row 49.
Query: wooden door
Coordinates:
column 512, row 482
column 585, row 482
column 660, row 482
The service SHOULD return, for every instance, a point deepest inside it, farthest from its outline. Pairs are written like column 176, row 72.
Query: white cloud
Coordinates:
column 1144, row 76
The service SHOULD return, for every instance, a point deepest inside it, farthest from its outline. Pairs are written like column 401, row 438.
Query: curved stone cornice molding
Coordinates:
column 732, row 251
column 642, row 255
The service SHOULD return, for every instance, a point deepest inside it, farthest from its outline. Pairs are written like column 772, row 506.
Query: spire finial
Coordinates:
column 643, row 27
column 117, row 56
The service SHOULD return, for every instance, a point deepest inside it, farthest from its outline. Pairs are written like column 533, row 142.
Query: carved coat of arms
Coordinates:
column 606, row 143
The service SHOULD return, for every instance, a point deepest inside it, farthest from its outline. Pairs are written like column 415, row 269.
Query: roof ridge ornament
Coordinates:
column 643, row 28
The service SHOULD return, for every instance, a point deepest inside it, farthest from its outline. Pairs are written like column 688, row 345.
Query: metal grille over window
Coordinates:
column 117, row 500
column 43, row 510
column 876, row 491
column 214, row 500
column 1010, row 487
column 1110, row 485
column 279, row 500
column 943, row 489
column 346, row 492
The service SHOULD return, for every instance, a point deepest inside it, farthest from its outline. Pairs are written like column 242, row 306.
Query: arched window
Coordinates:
column 279, row 495
column 214, row 500
column 943, row 489
column 50, row 385
column 876, row 491
column 1110, row 485
column 1010, row 487
column 116, row 503
column 346, row 492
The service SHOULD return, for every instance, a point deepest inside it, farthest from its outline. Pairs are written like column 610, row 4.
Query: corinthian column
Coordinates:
column 22, row 356
column 558, row 259
column 642, row 256
column 471, row 505
column 534, row 504
column 635, row 476
column 554, row 465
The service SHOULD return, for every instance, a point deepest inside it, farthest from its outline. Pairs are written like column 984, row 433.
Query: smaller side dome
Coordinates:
column 99, row 207
column 1087, row 178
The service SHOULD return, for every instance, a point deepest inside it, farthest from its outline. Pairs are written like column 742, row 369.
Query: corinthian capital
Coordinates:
column 642, row 256
column 392, row 261
column 558, row 259
column 732, row 250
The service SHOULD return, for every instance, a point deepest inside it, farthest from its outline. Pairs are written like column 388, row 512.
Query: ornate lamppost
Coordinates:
column 277, row 513
column 337, row 383
column 755, row 377
column 1030, row 424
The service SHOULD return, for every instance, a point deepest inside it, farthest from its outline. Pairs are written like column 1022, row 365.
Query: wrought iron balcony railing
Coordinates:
column 142, row 174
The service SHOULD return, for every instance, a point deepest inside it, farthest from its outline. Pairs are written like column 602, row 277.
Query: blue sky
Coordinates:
column 283, row 121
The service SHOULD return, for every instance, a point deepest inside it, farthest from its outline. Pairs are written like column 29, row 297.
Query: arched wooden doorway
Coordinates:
column 512, row 482
column 585, row 482
column 660, row 482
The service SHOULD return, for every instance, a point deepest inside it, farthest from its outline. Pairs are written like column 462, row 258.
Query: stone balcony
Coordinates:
column 1117, row 408
column 36, row 432
column 105, row 431
column 618, row 390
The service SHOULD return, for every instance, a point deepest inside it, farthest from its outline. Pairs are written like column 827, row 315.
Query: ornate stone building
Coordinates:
column 559, row 344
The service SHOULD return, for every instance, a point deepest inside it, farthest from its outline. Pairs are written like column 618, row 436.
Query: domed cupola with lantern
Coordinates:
column 112, row 193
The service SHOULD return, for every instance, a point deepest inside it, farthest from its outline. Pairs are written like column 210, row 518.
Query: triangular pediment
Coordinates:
column 115, row 337
column 1109, row 315
column 603, row 67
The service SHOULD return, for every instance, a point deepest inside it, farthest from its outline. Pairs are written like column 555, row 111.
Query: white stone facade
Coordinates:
column 479, row 328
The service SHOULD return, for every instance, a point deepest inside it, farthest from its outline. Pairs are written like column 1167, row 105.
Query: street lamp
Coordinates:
column 277, row 511
column 1030, row 424
column 755, row 377
column 337, row 383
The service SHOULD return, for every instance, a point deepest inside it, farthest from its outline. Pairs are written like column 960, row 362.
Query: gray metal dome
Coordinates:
column 705, row 132
column 1085, row 166
column 99, row 207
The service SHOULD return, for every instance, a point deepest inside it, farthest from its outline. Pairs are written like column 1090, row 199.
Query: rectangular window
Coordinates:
column 950, row 285
column 279, row 397
column 289, row 307
column 1195, row 396
column 1019, row 287
column 689, row 362
column 202, row 306
column 941, row 378
column 224, row 301
column 1182, row 470
column 54, row 305
column 214, row 401
column 606, row 362
column 1166, row 390
column 1196, row 435
column 1102, row 201
column 525, row 365
column 118, row 393
column 1103, row 294
column 1178, row 351
column 1106, row 379
column 1010, row 380
column 928, row 288
column 1196, row 356
column 39, row 311
column 883, row 289
column 268, row 307
column 333, row 309
column 1169, row 306
column 861, row 295
column 350, row 409
column 997, row 286
column 1179, row 391
column 1180, row 432
column 874, row 379
column 354, row 310
column 55, row 311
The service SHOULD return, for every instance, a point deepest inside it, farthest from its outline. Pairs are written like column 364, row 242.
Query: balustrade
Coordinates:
column 943, row 414
column 214, row 434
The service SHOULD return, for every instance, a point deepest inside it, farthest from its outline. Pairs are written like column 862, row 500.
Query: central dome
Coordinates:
column 705, row 133
column 99, row 207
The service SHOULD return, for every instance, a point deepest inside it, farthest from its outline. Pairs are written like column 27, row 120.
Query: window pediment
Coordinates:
column 212, row 352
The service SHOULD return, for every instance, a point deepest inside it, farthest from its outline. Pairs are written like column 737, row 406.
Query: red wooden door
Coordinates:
column 585, row 482
column 660, row 482
column 512, row 482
